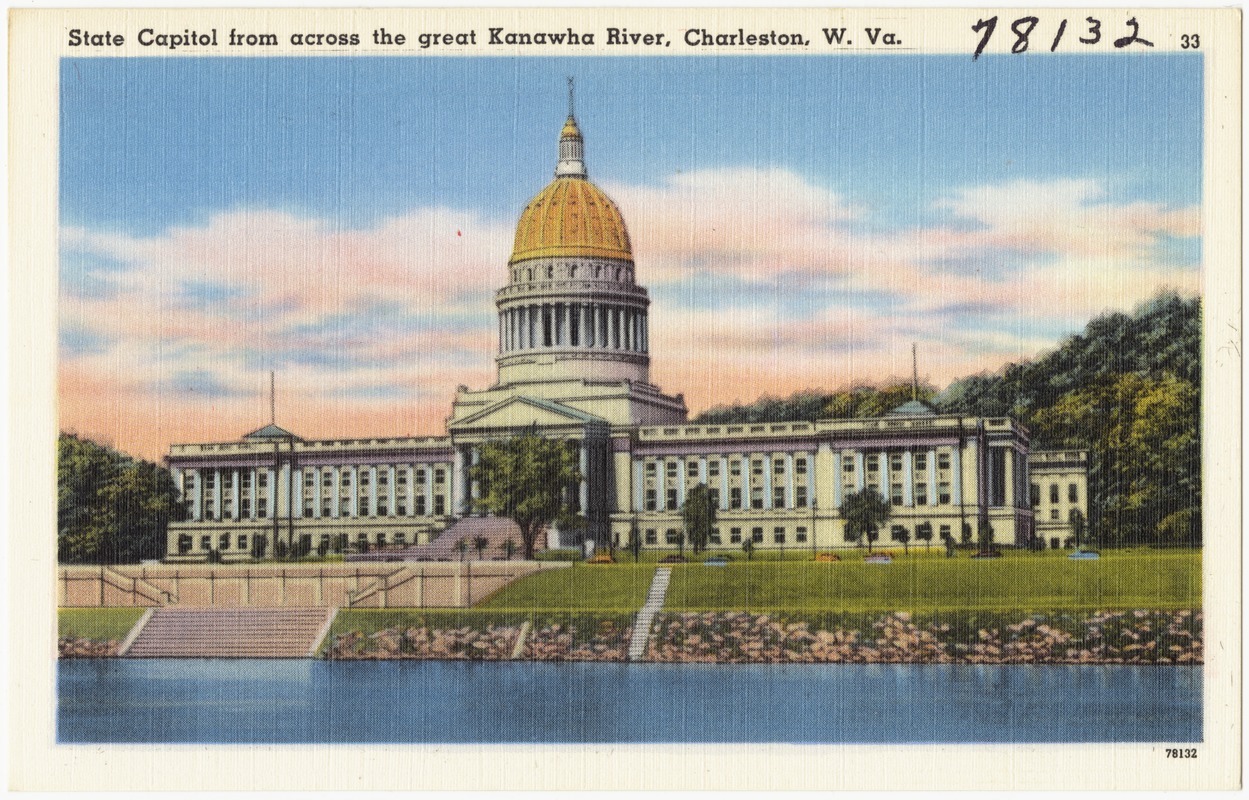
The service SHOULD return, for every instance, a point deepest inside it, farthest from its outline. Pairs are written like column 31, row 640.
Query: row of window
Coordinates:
column 919, row 491
column 735, row 466
column 872, row 462
column 736, row 498
column 1073, row 493
column 780, row 535
column 243, row 541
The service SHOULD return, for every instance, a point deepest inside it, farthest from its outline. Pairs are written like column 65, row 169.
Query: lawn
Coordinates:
column 97, row 624
column 1123, row 580
column 581, row 587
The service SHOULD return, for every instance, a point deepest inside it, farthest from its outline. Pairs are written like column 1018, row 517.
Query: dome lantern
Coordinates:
column 571, row 162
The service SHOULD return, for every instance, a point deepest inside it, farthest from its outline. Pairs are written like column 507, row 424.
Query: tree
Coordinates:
column 864, row 512
column 509, row 548
column 923, row 533
column 111, row 508
column 480, row 543
column 699, row 516
column 635, row 543
column 984, row 535
column 904, row 536
column 748, row 547
column 461, row 547
column 527, row 479
column 1077, row 526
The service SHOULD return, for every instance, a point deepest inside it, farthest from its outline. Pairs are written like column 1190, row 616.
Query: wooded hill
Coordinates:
column 1127, row 389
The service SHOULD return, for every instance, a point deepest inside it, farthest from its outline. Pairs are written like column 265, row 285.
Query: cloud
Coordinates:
column 762, row 283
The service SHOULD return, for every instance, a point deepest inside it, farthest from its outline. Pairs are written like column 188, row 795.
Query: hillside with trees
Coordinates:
column 1127, row 389
column 111, row 508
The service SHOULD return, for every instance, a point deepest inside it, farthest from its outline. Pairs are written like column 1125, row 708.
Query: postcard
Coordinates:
column 625, row 398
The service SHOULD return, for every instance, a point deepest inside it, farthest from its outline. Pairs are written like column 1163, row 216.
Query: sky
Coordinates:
column 798, row 222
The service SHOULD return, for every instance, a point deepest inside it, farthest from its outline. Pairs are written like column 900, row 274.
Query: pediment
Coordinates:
column 525, row 412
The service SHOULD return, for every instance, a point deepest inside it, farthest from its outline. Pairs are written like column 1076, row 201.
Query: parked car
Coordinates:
column 827, row 558
column 878, row 558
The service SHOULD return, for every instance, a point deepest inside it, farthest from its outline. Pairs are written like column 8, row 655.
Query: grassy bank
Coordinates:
column 581, row 587
column 96, row 624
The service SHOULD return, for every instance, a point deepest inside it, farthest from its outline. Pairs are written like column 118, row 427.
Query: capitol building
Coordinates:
column 574, row 363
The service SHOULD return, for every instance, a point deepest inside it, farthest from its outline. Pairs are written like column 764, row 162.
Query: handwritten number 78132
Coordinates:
column 1024, row 27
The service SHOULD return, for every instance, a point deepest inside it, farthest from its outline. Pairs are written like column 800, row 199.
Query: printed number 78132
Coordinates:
column 1181, row 752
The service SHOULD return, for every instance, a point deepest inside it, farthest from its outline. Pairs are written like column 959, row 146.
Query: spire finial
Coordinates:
column 273, row 415
column 570, row 96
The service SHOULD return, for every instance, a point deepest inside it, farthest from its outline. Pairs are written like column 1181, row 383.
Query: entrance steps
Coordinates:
column 232, row 633
column 495, row 530
column 646, row 615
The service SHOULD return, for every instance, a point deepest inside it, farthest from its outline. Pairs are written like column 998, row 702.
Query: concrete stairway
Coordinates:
column 646, row 615
column 497, row 530
column 232, row 633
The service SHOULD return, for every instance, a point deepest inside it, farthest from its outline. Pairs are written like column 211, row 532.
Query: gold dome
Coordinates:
column 570, row 131
column 571, row 217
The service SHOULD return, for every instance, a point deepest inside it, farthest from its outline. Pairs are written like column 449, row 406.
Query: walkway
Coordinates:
column 231, row 633
column 646, row 616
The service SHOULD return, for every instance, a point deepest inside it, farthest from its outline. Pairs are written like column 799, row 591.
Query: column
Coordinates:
column 724, row 483
column 197, row 499
column 661, row 485
column 646, row 333
column 429, row 490
column 474, row 455
column 567, row 331
column 789, row 480
column 932, row 476
column 255, row 494
column 603, row 314
column 885, row 477
column 702, row 470
column 747, row 478
column 354, row 496
column 411, row 498
column 297, row 494
column 639, row 485
column 271, row 488
column 956, row 466
column 681, row 472
column 860, row 474
column 217, row 476
column 459, row 482
column 392, row 507
column 234, row 492
column 1008, row 468
column 839, row 475
column 584, row 322
column 908, row 479
column 373, row 491
column 811, row 485
column 767, row 481
column 583, row 466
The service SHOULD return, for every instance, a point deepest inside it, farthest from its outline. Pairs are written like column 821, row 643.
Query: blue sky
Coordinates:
column 870, row 184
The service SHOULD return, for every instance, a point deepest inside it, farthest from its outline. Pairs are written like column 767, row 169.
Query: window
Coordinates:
column 383, row 477
column 778, row 496
column 651, row 537
column 422, row 477
column 921, row 461
column 895, row 462
column 945, row 532
column 650, row 499
column 401, row 539
column 873, row 464
column 307, row 508
column 895, row 494
column 756, row 467
column 364, row 477
column 800, row 466
column 327, row 479
column 242, row 541
column 943, row 460
column 223, row 541
column 756, row 535
column 778, row 536
column 847, row 463
column 921, row 494
column 421, row 510
column 691, row 468
column 672, row 536
column 381, row 540
column 713, row 468
column 262, row 480
column 309, row 480
column 735, row 468
column 262, row 508
column 670, row 469
column 756, row 497
column 1035, row 495
column 713, row 496
column 943, row 492
column 402, row 477
column 735, row 497
column 735, row 535
column 206, row 542
column 440, row 476
column 383, row 511
column 440, row 505
column 715, row 536
column 800, row 496
column 672, row 498
column 898, row 533
column 650, row 469
column 1053, row 513
column 1053, row 493
column 778, row 466
column 401, row 510
column 325, row 507
column 800, row 535
column 1073, row 493
column 246, row 480
column 245, row 507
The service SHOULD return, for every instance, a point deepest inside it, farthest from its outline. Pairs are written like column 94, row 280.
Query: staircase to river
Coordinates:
column 231, row 633
column 646, row 615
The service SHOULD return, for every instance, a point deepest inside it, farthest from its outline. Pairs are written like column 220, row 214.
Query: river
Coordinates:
column 306, row 701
